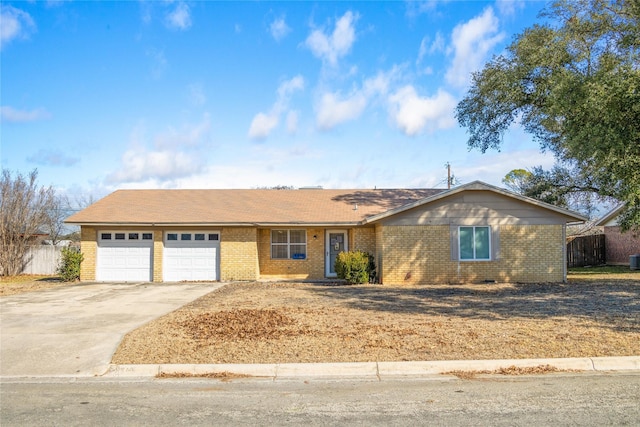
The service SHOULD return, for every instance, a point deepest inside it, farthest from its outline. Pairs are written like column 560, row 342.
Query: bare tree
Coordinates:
column 54, row 221
column 23, row 213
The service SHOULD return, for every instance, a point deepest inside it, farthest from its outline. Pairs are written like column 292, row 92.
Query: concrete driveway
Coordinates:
column 74, row 330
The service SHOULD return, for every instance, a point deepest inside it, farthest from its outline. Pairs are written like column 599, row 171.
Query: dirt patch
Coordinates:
column 14, row 285
column 294, row 323
column 510, row 370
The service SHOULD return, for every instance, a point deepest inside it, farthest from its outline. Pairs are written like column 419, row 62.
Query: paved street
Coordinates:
column 592, row 399
column 74, row 330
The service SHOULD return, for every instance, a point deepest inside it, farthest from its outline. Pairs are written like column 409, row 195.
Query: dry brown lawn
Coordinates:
column 593, row 315
column 28, row 283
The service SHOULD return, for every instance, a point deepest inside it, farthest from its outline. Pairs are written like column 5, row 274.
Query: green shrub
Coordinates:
column 355, row 267
column 69, row 268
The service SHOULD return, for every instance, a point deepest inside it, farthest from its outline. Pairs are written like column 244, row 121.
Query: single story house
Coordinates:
column 471, row 233
column 619, row 246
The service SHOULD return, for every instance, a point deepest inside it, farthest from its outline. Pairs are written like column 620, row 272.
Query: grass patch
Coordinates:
column 602, row 270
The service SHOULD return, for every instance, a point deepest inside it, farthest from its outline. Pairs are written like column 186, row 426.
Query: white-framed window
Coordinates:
column 474, row 243
column 288, row 244
column 125, row 236
column 199, row 236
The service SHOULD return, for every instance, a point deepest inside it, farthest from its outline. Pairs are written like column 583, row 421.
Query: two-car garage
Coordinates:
column 128, row 256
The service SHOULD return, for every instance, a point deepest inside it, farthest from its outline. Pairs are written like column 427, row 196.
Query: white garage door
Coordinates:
column 124, row 256
column 191, row 256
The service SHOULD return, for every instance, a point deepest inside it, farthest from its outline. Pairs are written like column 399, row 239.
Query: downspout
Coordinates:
column 564, row 253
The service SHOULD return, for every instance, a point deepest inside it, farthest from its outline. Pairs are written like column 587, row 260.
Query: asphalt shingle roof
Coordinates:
column 303, row 206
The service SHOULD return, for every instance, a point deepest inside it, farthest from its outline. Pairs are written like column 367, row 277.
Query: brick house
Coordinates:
column 619, row 246
column 472, row 233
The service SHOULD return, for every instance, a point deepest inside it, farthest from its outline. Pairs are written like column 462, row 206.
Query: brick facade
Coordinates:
column 89, row 248
column 422, row 255
column 403, row 254
column 239, row 254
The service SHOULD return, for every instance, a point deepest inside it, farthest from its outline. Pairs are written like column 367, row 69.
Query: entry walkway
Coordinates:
column 74, row 330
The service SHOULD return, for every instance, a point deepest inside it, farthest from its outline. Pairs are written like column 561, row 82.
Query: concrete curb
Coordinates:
column 371, row 370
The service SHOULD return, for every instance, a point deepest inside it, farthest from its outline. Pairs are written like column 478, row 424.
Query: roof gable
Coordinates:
column 478, row 186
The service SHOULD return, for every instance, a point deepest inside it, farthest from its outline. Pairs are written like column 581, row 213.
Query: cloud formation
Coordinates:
column 472, row 42
column 330, row 47
column 179, row 18
column 175, row 154
column 12, row 115
column 279, row 29
column 14, row 24
column 333, row 108
column 264, row 123
column 52, row 158
column 413, row 113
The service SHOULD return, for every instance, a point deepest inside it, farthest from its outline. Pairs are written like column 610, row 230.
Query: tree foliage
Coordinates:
column 24, row 207
column 573, row 83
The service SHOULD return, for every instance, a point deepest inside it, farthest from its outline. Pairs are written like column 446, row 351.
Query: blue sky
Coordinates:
column 179, row 94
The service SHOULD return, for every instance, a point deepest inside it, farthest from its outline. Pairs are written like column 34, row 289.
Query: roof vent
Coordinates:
column 313, row 187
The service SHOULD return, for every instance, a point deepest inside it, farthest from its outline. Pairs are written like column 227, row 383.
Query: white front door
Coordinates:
column 336, row 241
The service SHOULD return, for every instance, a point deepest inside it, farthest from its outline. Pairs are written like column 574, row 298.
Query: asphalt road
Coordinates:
column 593, row 399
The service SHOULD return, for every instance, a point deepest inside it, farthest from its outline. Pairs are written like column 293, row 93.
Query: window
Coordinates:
column 213, row 237
column 172, row 236
column 475, row 243
column 185, row 236
column 119, row 236
column 199, row 236
column 288, row 244
column 105, row 236
column 147, row 236
column 133, row 236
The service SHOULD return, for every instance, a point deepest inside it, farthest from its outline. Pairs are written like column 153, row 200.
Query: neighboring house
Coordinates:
column 619, row 246
column 472, row 233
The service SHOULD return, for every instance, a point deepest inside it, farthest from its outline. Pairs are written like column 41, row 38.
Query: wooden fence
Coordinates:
column 586, row 250
column 42, row 259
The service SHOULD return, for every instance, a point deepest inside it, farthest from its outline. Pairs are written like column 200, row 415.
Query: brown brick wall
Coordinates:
column 620, row 246
column 238, row 254
column 422, row 255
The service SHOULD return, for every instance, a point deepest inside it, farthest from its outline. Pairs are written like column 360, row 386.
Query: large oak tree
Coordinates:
column 573, row 82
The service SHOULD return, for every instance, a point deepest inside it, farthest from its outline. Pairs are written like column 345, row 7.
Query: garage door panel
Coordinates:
column 125, row 261
column 190, row 260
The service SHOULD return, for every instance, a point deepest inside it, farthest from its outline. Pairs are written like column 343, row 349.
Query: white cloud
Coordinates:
column 158, row 63
column 188, row 136
column 13, row 115
column 179, row 18
column 509, row 7
column 330, row 47
column 264, row 123
column 472, row 41
column 492, row 167
column 413, row 114
column 53, row 157
column 196, row 94
column 14, row 23
column 174, row 154
column 279, row 29
column 430, row 47
column 292, row 122
column 332, row 110
column 141, row 165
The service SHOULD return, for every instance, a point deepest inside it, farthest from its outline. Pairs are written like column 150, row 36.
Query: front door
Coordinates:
column 336, row 242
